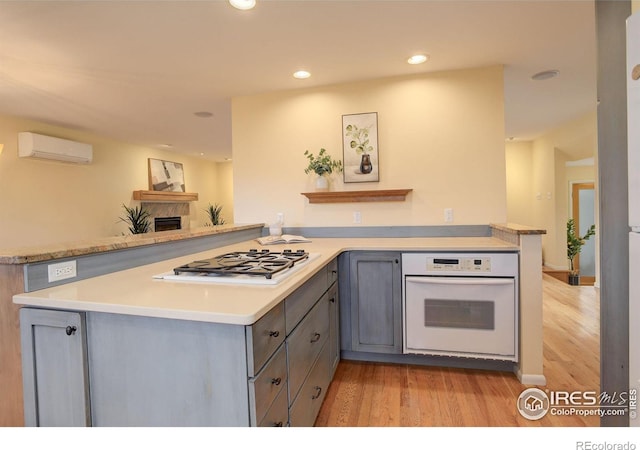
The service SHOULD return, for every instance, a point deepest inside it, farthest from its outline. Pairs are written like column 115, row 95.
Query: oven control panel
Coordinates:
column 459, row 264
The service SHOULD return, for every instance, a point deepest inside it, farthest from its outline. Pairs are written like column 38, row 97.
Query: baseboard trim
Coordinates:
column 531, row 379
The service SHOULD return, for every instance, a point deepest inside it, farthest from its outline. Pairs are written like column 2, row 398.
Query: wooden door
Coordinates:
column 583, row 212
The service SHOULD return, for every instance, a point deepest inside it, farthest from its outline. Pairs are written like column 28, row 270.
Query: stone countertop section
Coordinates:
column 24, row 255
column 517, row 229
column 136, row 292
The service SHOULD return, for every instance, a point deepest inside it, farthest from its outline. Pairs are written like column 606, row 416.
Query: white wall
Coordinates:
column 441, row 134
column 48, row 202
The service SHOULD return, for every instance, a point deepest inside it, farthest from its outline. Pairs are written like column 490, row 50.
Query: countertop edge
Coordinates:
column 26, row 255
column 515, row 228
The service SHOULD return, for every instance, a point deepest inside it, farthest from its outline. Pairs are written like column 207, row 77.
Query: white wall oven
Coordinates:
column 461, row 304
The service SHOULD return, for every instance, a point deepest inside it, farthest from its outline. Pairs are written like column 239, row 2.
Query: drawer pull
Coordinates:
column 274, row 333
column 70, row 330
column 332, row 299
column 276, row 381
column 278, row 424
column 315, row 338
column 318, row 392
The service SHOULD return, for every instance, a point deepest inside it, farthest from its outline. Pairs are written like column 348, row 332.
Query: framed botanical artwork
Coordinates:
column 360, row 147
column 165, row 176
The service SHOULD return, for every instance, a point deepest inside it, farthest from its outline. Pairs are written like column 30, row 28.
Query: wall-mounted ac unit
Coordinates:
column 40, row 146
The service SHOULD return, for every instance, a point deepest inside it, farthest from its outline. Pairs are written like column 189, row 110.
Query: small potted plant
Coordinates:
column 322, row 165
column 137, row 218
column 574, row 247
column 214, row 212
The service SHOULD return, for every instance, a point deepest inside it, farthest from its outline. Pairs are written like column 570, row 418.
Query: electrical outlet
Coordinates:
column 357, row 217
column 62, row 271
column 280, row 218
column 448, row 214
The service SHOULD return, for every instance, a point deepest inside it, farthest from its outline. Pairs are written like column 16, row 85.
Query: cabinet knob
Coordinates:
column 274, row 333
column 332, row 299
column 318, row 392
column 315, row 338
column 71, row 330
column 276, row 381
column 278, row 424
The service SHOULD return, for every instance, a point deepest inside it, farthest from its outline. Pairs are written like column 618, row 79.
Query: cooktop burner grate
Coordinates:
column 254, row 262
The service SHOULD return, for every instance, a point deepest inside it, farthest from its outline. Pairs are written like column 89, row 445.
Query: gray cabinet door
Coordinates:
column 334, row 327
column 54, row 363
column 376, row 302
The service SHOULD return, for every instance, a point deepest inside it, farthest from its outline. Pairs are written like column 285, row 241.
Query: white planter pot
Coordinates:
column 322, row 183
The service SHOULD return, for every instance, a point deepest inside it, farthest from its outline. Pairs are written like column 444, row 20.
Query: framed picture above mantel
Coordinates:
column 360, row 147
column 166, row 176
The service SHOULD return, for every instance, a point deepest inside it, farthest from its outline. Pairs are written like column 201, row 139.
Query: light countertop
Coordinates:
column 136, row 292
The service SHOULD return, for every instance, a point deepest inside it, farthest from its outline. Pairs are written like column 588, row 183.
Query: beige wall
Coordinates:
column 224, row 189
column 519, row 160
column 635, row 5
column 441, row 134
column 45, row 202
column 539, row 196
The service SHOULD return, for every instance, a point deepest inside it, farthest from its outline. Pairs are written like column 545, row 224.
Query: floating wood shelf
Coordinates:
column 164, row 196
column 388, row 195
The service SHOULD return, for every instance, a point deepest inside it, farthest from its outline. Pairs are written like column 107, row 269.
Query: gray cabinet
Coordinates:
column 54, row 367
column 334, row 327
column 147, row 371
column 375, row 295
column 307, row 314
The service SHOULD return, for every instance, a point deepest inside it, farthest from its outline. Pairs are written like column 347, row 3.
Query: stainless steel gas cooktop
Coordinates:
column 250, row 267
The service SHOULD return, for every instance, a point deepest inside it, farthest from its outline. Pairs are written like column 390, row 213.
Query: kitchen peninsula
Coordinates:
column 128, row 316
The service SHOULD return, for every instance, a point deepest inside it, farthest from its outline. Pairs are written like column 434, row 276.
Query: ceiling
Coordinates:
column 137, row 71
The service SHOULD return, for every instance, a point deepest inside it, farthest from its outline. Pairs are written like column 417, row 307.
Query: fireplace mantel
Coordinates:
column 164, row 196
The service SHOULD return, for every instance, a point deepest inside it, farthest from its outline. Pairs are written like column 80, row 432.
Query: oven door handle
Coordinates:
column 462, row 281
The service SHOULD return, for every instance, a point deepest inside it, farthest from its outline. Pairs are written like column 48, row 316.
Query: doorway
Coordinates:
column 583, row 205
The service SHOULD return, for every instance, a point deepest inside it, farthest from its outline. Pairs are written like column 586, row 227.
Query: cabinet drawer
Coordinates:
column 301, row 301
column 305, row 343
column 278, row 414
column 263, row 338
column 305, row 408
column 264, row 388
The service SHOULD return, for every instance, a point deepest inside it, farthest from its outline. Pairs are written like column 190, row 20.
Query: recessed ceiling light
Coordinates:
column 301, row 74
column 243, row 4
column 417, row 59
column 545, row 75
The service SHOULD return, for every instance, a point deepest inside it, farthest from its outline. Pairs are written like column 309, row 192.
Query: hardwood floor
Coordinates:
column 396, row 395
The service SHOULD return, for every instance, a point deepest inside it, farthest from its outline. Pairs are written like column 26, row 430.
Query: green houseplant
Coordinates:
column 322, row 165
column 574, row 247
column 137, row 218
column 214, row 212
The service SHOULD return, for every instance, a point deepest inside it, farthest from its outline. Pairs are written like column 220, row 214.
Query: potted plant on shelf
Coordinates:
column 322, row 165
column 214, row 212
column 574, row 247
column 137, row 218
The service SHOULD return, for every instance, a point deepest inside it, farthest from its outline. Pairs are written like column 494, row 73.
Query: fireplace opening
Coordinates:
column 166, row 223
